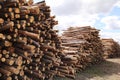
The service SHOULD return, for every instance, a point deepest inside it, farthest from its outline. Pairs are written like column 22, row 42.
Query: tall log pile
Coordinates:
column 81, row 47
column 29, row 46
column 111, row 48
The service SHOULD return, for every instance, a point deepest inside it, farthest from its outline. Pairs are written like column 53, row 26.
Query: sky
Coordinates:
column 101, row 14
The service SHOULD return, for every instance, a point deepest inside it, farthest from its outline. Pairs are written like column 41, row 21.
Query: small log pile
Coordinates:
column 111, row 48
column 29, row 46
column 81, row 47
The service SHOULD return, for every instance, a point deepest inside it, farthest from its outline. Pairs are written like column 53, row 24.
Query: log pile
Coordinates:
column 31, row 50
column 81, row 47
column 111, row 48
column 29, row 46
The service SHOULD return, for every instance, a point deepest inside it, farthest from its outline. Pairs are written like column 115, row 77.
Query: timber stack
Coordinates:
column 81, row 47
column 111, row 48
column 29, row 46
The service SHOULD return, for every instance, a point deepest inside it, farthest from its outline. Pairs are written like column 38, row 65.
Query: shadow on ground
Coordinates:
column 104, row 71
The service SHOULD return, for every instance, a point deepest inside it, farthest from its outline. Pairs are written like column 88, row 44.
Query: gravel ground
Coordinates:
column 107, row 70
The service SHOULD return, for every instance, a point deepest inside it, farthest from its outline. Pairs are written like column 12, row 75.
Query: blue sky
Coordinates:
column 101, row 14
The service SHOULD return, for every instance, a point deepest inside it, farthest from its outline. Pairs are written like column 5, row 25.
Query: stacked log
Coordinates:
column 29, row 46
column 111, row 48
column 81, row 47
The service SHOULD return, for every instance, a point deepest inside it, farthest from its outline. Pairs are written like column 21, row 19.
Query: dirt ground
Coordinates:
column 107, row 70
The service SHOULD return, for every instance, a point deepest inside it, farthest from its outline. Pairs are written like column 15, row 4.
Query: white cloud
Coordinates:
column 79, row 12
column 111, row 22
column 76, row 20
column 54, row 3
column 73, row 7
column 118, row 4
